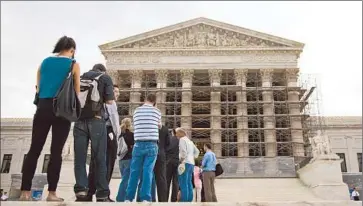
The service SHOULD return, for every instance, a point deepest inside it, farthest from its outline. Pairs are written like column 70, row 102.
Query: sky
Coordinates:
column 331, row 31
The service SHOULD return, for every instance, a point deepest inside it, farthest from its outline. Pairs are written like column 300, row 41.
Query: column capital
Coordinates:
column 136, row 74
column 292, row 73
column 161, row 74
column 215, row 73
column 241, row 74
column 187, row 73
column 114, row 76
column 266, row 73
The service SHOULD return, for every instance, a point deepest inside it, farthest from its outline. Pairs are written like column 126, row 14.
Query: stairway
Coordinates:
column 254, row 189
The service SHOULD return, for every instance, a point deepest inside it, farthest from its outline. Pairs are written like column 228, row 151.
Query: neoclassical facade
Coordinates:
column 233, row 87
column 345, row 134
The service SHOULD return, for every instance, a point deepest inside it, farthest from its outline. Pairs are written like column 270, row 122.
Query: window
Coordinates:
column 45, row 163
column 359, row 156
column 343, row 164
column 5, row 167
column 22, row 167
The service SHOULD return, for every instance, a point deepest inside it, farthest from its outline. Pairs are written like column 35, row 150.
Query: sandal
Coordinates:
column 25, row 198
column 54, row 199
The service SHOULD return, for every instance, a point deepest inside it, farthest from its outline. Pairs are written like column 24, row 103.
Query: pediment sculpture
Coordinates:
column 201, row 35
column 320, row 145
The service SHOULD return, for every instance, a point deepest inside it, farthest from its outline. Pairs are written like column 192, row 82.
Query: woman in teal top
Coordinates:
column 50, row 76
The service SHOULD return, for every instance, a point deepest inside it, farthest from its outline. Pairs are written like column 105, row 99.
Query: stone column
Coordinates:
column 242, row 121
column 186, row 107
column 114, row 74
column 294, row 111
column 136, row 79
column 161, row 79
column 269, row 122
column 215, row 78
column 292, row 76
column 268, row 112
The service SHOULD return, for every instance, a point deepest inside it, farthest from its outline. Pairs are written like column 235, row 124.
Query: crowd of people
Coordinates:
column 150, row 159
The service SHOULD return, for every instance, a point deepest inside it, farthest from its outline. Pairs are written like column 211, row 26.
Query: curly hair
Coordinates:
column 126, row 124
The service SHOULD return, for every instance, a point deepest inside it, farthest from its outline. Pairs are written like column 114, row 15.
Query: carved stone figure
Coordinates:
column 211, row 39
column 191, row 39
column 320, row 145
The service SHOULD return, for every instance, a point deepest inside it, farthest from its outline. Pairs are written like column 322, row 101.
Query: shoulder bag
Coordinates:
column 66, row 103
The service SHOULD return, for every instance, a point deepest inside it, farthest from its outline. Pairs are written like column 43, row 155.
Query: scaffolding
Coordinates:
column 254, row 120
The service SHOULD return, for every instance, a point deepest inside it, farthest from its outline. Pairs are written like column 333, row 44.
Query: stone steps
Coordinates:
column 255, row 203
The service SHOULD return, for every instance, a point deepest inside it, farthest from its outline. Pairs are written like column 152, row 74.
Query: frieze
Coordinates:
column 199, row 36
column 124, row 59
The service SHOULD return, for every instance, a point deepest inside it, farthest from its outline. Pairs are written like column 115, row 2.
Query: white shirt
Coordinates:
column 355, row 194
column 187, row 150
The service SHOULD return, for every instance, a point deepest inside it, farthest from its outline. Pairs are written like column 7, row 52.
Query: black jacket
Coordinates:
column 129, row 139
column 164, row 140
column 172, row 152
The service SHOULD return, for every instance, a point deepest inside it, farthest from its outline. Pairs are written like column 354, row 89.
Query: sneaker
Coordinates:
column 107, row 199
column 83, row 197
column 127, row 201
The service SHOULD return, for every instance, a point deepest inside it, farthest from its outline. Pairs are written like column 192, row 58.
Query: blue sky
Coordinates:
column 331, row 31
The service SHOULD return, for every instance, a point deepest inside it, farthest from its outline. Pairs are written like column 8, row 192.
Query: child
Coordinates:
column 197, row 181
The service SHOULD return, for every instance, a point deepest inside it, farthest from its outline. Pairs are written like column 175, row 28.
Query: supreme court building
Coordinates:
column 238, row 89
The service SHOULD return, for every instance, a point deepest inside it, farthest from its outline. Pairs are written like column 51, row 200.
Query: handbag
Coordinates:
column 66, row 103
column 122, row 148
column 219, row 170
column 36, row 98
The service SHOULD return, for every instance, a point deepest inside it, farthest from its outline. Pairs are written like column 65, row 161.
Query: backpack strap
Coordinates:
column 98, row 77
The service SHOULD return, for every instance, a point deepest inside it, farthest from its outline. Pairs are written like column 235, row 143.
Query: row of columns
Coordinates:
column 242, row 121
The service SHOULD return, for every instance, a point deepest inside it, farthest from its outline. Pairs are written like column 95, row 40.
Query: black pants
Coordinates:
column 202, row 199
column 160, row 178
column 172, row 176
column 44, row 119
column 110, row 162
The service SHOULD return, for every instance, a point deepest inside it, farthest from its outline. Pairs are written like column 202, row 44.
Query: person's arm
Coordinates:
column 132, row 140
column 182, row 150
column 114, row 118
column 205, row 160
column 108, row 95
column 76, row 71
column 167, row 140
column 196, row 151
column 38, row 80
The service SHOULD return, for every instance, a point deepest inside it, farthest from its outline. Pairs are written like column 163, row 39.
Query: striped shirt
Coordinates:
column 146, row 123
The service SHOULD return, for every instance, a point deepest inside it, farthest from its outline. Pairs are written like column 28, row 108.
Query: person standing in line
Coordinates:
column 355, row 194
column 92, row 126
column 160, row 165
column 113, row 131
column 197, row 181
column 187, row 153
column 124, row 163
column 159, row 181
column 50, row 77
column 172, row 159
column 147, row 122
column 209, row 163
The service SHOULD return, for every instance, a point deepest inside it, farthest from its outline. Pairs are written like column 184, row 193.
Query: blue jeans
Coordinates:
column 143, row 160
column 185, row 184
column 125, row 174
column 94, row 130
column 153, row 190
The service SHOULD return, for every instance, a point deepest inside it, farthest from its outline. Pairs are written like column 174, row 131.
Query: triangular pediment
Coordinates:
column 202, row 33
